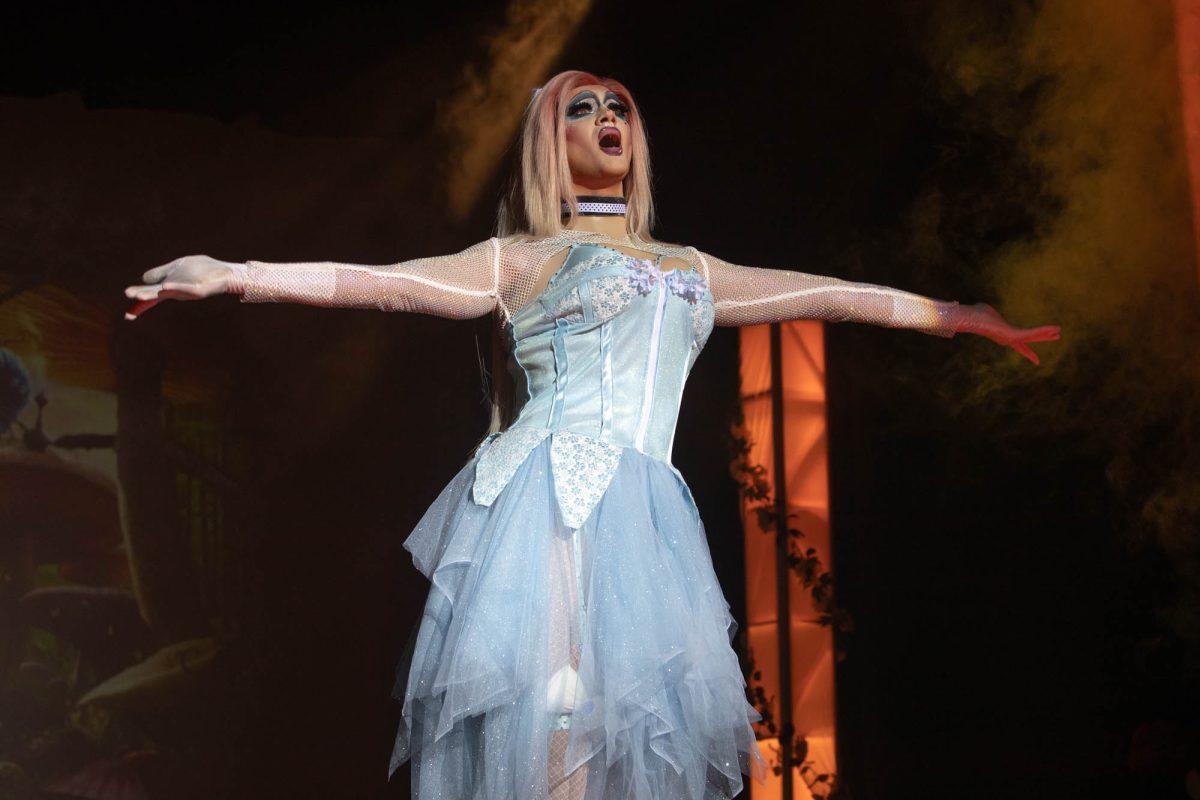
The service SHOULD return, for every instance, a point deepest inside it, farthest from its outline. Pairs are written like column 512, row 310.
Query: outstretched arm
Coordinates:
column 752, row 295
column 458, row 286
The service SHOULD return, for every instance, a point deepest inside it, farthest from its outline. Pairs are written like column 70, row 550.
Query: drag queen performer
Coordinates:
column 575, row 642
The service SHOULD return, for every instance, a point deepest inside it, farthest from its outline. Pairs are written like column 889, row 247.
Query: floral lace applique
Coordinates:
column 499, row 460
column 644, row 275
column 689, row 285
column 568, row 307
column 610, row 295
column 583, row 467
column 599, row 258
column 702, row 322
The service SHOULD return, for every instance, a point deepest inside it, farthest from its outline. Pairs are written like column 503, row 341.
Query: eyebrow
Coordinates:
column 582, row 95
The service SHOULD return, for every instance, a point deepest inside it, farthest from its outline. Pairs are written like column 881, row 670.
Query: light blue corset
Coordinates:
column 599, row 360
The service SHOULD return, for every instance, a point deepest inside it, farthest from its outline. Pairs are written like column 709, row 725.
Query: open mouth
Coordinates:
column 610, row 141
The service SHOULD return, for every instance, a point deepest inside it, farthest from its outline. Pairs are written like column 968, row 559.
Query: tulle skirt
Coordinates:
column 589, row 664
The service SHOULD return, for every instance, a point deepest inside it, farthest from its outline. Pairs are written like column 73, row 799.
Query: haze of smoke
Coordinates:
column 481, row 118
column 1111, row 259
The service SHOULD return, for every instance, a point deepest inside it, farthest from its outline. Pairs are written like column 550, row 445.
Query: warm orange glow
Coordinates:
column 808, row 490
column 1187, row 38
column 821, row 752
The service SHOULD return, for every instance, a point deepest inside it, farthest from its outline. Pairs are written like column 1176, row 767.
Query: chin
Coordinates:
column 612, row 172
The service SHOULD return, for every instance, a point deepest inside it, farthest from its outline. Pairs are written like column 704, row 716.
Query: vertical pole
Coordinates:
column 783, row 615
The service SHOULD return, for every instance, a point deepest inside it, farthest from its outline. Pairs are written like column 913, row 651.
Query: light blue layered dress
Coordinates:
column 575, row 641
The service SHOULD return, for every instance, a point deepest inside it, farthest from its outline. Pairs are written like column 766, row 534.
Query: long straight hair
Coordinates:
column 541, row 181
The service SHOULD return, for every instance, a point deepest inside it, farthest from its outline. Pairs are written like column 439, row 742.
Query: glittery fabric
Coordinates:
column 502, row 275
column 582, row 468
column 611, row 294
column 458, row 286
column 599, row 378
column 752, row 295
column 575, row 642
column 499, row 458
column 665, row 713
column 573, row 591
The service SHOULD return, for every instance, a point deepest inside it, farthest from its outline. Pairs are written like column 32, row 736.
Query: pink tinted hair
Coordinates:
column 542, row 180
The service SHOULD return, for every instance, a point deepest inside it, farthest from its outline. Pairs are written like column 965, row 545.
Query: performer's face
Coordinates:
column 597, row 133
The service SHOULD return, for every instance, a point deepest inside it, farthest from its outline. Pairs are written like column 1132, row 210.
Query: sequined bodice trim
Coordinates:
column 601, row 355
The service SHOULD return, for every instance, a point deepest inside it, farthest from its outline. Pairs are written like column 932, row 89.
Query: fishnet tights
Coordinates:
column 565, row 650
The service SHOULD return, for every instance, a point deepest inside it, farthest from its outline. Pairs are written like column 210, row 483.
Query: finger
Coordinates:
column 174, row 294
column 166, row 292
column 1025, row 350
column 1045, row 333
column 142, row 292
column 157, row 274
column 140, row 308
column 185, row 291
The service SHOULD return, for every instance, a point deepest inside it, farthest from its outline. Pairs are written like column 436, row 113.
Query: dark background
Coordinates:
column 998, row 607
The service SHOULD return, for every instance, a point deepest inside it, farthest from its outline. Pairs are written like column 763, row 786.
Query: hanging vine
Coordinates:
column 758, row 499
column 821, row 785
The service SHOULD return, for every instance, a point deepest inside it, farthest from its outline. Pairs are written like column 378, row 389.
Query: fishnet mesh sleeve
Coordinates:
column 459, row 286
column 753, row 295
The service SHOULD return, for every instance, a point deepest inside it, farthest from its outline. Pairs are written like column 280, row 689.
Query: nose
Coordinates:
column 606, row 117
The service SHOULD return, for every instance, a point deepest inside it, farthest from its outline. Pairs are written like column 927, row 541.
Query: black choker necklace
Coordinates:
column 597, row 206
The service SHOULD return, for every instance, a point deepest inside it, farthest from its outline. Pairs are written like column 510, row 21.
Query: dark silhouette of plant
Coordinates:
column 758, row 497
column 757, row 494
column 822, row 785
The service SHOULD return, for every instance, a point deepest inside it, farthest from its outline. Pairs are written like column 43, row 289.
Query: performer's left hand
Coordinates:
column 986, row 321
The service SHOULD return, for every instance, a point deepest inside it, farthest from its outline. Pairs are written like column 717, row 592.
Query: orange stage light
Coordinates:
column 807, row 489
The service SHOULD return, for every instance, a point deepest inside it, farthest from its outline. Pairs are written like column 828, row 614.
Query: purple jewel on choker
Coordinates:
column 597, row 206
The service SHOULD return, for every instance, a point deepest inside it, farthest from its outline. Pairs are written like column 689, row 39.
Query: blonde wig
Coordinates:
column 541, row 180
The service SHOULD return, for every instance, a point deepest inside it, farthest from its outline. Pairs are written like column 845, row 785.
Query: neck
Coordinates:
column 611, row 190
column 610, row 226
column 606, row 224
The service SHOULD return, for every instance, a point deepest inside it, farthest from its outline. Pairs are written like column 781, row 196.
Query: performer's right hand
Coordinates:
column 187, row 278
